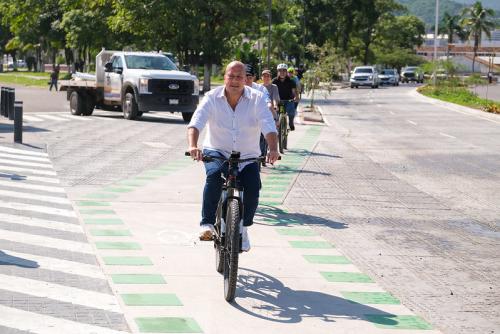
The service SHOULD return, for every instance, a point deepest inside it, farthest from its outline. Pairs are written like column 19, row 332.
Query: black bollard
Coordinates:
column 18, row 122
column 2, row 101
column 12, row 98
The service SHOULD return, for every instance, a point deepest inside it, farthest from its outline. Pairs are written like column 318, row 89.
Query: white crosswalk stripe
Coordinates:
column 23, row 185
column 25, row 163
column 37, row 222
column 38, row 208
column 53, row 264
column 31, row 119
column 37, row 240
column 13, row 195
column 28, row 170
column 23, row 158
column 52, row 117
column 22, row 152
column 44, row 324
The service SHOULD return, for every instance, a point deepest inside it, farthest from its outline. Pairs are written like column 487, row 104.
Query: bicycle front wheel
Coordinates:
column 232, row 249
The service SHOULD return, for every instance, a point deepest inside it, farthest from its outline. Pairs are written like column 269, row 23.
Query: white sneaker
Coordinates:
column 206, row 232
column 245, row 241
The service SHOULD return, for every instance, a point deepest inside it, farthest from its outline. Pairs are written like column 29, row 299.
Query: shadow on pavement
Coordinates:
column 6, row 259
column 13, row 176
column 269, row 299
column 6, row 128
column 277, row 217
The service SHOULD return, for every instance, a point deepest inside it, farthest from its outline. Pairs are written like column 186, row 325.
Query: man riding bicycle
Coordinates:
column 235, row 116
column 288, row 92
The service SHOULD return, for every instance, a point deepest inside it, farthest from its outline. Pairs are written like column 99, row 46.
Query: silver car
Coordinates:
column 389, row 77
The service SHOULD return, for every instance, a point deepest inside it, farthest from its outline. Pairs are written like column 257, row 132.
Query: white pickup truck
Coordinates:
column 135, row 82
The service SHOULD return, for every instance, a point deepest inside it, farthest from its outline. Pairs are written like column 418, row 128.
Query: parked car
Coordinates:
column 389, row 76
column 412, row 73
column 364, row 76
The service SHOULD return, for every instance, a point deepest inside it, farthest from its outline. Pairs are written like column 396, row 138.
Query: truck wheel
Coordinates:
column 89, row 105
column 76, row 103
column 186, row 116
column 129, row 106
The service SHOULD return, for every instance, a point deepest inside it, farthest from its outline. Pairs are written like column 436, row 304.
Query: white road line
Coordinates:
column 37, row 222
column 31, row 118
column 49, row 263
column 60, row 292
column 43, row 324
column 446, row 135
column 25, row 163
column 28, row 170
column 74, row 117
column 411, row 122
column 37, row 240
column 37, row 208
column 23, row 185
column 34, row 178
column 23, row 152
column 52, row 118
column 26, row 195
column 392, row 113
column 18, row 157
column 379, row 106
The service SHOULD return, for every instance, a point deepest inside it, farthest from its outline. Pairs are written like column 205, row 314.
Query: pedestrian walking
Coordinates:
column 54, row 76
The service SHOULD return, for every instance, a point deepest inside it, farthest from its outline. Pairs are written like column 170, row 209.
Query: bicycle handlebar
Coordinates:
column 208, row 158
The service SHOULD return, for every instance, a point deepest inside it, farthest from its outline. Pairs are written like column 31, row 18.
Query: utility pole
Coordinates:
column 269, row 36
column 436, row 28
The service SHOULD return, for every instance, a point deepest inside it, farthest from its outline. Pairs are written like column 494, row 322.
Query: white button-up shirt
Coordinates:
column 237, row 130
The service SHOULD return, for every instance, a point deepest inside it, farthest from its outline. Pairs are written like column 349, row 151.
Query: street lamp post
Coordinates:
column 436, row 28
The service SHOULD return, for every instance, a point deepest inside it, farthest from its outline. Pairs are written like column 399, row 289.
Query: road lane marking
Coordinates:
column 26, row 163
column 23, row 185
column 446, row 135
column 37, row 208
column 44, row 324
column 22, row 152
column 38, row 222
column 24, row 195
column 36, row 240
column 18, row 157
column 75, row 118
column 53, row 264
column 52, row 118
column 30, row 119
column 28, row 170
column 392, row 113
column 411, row 122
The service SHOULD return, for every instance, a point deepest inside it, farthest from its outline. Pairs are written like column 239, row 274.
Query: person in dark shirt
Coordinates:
column 288, row 92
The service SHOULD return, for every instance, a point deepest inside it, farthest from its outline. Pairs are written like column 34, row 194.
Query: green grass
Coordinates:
column 461, row 96
column 38, row 79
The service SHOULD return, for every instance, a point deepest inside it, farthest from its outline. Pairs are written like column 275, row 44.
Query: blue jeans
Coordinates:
column 249, row 178
column 290, row 111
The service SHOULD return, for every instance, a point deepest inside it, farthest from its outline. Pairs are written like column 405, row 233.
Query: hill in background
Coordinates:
column 425, row 9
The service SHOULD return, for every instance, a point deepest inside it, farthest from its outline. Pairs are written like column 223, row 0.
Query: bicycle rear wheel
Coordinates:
column 283, row 133
column 280, row 134
column 232, row 249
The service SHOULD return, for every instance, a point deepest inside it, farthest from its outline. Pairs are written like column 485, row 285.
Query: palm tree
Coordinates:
column 476, row 22
column 451, row 26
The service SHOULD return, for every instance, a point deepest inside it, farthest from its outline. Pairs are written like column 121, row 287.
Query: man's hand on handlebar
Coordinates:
column 195, row 153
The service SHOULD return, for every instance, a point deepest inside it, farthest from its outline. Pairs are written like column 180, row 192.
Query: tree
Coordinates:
column 451, row 26
column 476, row 21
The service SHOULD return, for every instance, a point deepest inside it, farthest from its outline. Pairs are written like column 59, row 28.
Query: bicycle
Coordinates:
column 229, row 222
column 282, row 126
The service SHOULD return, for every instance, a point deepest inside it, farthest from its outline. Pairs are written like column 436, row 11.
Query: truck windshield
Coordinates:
column 149, row 62
column 363, row 70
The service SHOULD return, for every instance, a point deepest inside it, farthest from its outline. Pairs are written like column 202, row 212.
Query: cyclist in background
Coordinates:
column 288, row 91
column 291, row 74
